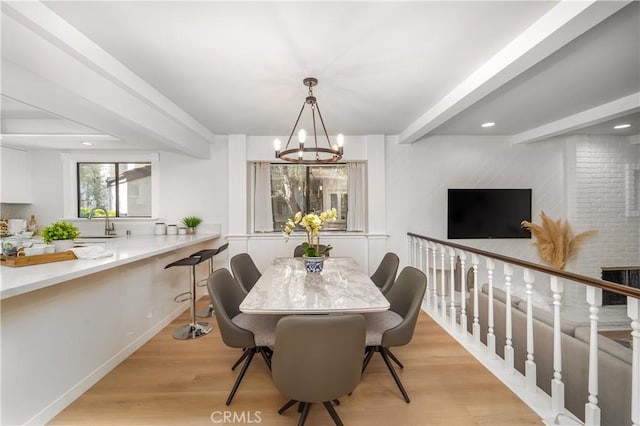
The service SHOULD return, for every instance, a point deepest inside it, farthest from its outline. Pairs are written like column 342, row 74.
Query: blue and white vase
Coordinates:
column 313, row 264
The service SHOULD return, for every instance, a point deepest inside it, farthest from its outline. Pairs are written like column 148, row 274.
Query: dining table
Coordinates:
column 286, row 287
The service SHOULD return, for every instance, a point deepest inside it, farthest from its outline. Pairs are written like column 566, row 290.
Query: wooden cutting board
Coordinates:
column 36, row 259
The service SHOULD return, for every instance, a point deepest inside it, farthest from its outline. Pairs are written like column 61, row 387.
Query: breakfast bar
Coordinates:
column 66, row 324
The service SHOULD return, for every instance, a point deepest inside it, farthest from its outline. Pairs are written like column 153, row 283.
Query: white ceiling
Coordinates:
column 383, row 67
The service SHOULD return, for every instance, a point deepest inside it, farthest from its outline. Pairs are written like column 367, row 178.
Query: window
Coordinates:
column 308, row 188
column 122, row 189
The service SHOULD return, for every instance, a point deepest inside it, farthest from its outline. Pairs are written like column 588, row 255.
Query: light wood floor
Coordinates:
column 171, row 382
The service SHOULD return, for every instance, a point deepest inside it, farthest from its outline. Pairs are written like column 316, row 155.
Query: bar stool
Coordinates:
column 194, row 329
column 208, row 254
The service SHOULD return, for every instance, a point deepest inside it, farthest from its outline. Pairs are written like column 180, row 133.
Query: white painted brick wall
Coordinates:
column 600, row 163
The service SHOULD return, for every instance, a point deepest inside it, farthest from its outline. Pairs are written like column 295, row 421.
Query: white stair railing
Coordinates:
column 423, row 253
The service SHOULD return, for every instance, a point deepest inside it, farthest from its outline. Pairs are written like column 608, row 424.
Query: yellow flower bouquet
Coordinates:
column 312, row 224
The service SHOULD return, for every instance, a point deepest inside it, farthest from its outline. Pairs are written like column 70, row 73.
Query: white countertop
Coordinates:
column 20, row 280
column 286, row 288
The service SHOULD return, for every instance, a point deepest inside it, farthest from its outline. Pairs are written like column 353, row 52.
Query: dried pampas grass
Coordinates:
column 554, row 240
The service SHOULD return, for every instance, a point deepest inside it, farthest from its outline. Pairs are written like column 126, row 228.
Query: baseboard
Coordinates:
column 50, row 411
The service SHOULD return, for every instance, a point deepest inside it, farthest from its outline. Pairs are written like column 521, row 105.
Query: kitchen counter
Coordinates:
column 65, row 325
column 19, row 280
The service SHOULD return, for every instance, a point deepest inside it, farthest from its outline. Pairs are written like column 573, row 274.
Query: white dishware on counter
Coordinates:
column 159, row 228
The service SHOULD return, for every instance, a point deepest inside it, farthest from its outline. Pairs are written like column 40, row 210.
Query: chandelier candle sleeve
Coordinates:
column 316, row 154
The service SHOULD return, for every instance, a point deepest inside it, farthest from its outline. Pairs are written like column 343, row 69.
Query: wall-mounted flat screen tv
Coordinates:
column 488, row 213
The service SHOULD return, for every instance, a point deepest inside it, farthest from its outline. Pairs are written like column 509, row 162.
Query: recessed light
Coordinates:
column 488, row 124
column 86, row 143
column 622, row 126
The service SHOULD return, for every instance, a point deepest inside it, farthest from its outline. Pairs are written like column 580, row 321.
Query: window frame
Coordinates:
column 70, row 179
column 307, row 198
column 117, row 166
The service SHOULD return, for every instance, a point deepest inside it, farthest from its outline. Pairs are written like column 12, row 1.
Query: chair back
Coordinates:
column 245, row 271
column 222, row 248
column 318, row 358
column 226, row 296
column 385, row 275
column 405, row 298
column 299, row 251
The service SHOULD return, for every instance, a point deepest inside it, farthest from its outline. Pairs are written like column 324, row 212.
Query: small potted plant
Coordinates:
column 61, row 234
column 191, row 222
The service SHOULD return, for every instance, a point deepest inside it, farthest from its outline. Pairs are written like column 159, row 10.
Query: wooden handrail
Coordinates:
column 583, row 279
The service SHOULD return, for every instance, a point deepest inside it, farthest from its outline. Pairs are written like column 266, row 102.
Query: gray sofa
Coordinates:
column 614, row 360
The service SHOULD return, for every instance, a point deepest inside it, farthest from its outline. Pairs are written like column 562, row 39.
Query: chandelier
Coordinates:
column 310, row 154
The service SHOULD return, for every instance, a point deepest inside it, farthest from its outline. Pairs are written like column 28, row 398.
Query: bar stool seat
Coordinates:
column 208, row 254
column 194, row 329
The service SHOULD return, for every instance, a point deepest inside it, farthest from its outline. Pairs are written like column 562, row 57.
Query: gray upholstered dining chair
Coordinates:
column 395, row 327
column 254, row 333
column 385, row 275
column 318, row 358
column 299, row 251
column 245, row 271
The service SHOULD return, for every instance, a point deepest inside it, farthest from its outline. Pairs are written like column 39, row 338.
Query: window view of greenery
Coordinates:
column 305, row 188
column 121, row 189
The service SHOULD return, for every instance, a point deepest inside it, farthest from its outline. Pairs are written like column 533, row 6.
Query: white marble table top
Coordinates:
column 286, row 288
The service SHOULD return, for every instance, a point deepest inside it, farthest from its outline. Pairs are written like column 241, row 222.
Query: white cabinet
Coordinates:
column 16, row 176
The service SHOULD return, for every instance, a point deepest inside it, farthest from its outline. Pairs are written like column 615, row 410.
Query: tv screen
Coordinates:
column 488, row 213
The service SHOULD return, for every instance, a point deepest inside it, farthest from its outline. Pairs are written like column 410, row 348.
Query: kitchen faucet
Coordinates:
column 109, row 229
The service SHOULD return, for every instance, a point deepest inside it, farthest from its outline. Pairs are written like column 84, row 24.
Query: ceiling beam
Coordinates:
column 76, row 69
column 601, row 113
column 559, row 26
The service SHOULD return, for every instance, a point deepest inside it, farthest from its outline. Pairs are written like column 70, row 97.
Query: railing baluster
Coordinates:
column 530, row 365
column 443, row 300
column 508, row 346
column 419, row 255
column 452, row 287
column 427, row 294
column 557, row 386
column 475, row 260
column 434, row 248
column 591, row 409
column 463, row 291
column 491, row 337
column 633, row 311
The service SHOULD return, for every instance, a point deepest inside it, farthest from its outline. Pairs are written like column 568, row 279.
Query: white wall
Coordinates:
column 188, row 187
column 418, row 176
column 597, row 201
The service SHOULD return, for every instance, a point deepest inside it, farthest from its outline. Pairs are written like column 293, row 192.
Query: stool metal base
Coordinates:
column 205, row 312
column 192, row 331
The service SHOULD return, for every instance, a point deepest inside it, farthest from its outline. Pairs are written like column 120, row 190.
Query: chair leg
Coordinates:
column 368, row 354
column 265, row 356
column 333, row 413
column 385, row 357
column 394, row 359
column 286, row 406
column 252, row 352
column 305, row 413
column 245, row 353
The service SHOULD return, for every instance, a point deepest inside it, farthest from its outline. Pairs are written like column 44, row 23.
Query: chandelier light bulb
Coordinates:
column 302, row 135
column 340, row 139
column 277, row 144
column 300, row 154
